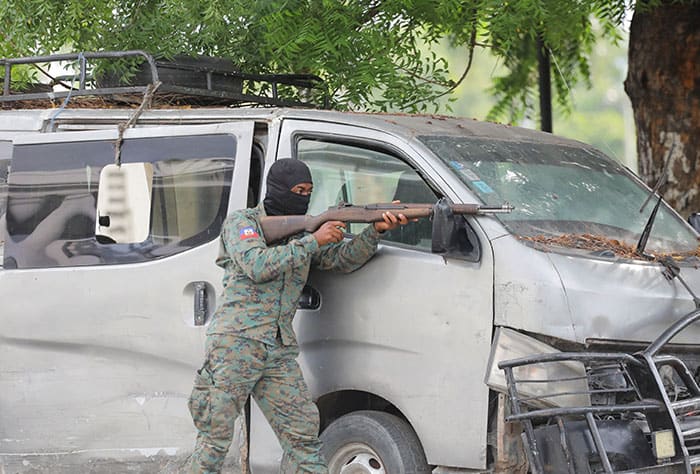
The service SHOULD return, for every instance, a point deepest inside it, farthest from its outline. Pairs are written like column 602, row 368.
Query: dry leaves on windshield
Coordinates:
column 596, row 243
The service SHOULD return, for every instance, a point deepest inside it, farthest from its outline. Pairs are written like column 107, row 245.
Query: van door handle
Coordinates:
column 201, row 303
column 310, row 298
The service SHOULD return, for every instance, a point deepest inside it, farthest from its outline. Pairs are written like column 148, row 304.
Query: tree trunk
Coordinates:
column 663, row 83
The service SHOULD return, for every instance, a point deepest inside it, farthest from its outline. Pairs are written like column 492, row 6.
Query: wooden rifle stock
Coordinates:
column 276, row 228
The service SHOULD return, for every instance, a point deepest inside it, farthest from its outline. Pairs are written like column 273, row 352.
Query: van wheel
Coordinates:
column 373, row 442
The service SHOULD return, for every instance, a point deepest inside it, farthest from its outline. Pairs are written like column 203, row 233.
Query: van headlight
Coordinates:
column 561, row 383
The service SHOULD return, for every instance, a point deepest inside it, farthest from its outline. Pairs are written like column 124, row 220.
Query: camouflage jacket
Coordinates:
column 262, row 284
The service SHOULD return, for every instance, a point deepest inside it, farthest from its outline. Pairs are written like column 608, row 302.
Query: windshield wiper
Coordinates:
column 641, row 245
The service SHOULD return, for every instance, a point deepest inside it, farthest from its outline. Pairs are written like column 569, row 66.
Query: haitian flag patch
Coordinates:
column 248, row 233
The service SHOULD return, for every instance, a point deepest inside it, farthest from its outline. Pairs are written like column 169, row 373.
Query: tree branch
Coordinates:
column 470, row 46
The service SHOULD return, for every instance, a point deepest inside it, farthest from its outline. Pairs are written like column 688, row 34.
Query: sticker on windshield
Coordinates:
column 483, row 187
column 456, row 165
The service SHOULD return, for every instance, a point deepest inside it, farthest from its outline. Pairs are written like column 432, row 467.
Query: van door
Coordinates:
column 410, row 332
column 108, row 284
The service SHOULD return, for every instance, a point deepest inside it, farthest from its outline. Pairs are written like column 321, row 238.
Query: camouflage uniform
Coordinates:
column 251, row 346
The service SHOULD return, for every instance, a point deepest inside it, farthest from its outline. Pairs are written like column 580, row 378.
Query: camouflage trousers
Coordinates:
column 236, row 367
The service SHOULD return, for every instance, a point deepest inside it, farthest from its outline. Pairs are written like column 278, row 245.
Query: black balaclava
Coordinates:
column 282, row 177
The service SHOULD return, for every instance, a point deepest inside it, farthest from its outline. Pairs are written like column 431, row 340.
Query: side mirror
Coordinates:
column 452, row 235
column 443, row 227
column 694, row 221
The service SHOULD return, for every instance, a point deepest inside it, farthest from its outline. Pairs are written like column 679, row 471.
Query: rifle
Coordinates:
column 275, row 228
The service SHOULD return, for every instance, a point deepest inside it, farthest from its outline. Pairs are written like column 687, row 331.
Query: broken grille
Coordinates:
column 577, row 421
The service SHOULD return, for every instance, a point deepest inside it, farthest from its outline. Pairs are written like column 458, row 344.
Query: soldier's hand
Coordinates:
column 391, row 221
column 329, row 232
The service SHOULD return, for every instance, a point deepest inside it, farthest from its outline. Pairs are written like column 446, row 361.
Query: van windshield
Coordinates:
column 563, row 194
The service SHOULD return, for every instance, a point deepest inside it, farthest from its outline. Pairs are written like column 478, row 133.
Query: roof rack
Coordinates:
column 184, row 80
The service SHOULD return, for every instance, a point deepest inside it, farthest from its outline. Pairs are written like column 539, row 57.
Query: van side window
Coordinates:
column 189, row 200
column 69, row 204
column 357, row 175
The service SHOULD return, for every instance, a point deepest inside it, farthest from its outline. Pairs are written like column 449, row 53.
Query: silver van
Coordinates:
column 108, row 281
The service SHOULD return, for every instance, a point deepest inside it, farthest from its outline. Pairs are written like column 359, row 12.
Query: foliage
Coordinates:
column 566, row 31
column 373, row 54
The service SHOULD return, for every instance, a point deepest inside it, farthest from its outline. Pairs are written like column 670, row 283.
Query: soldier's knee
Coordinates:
column 224, row 412
column 214, row 412
column 199, row 402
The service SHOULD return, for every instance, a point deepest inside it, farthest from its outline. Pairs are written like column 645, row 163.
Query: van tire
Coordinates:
column 373, row 442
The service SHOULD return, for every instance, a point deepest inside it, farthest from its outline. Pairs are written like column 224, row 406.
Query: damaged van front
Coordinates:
column 589, row 269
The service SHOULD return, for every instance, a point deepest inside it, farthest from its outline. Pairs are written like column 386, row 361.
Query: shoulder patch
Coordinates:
column 248, row 233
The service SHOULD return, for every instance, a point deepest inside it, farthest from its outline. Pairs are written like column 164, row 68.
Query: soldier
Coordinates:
column 251, row 347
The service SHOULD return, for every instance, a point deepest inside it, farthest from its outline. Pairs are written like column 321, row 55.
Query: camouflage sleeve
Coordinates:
column 348, row 256
column 247, row 248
